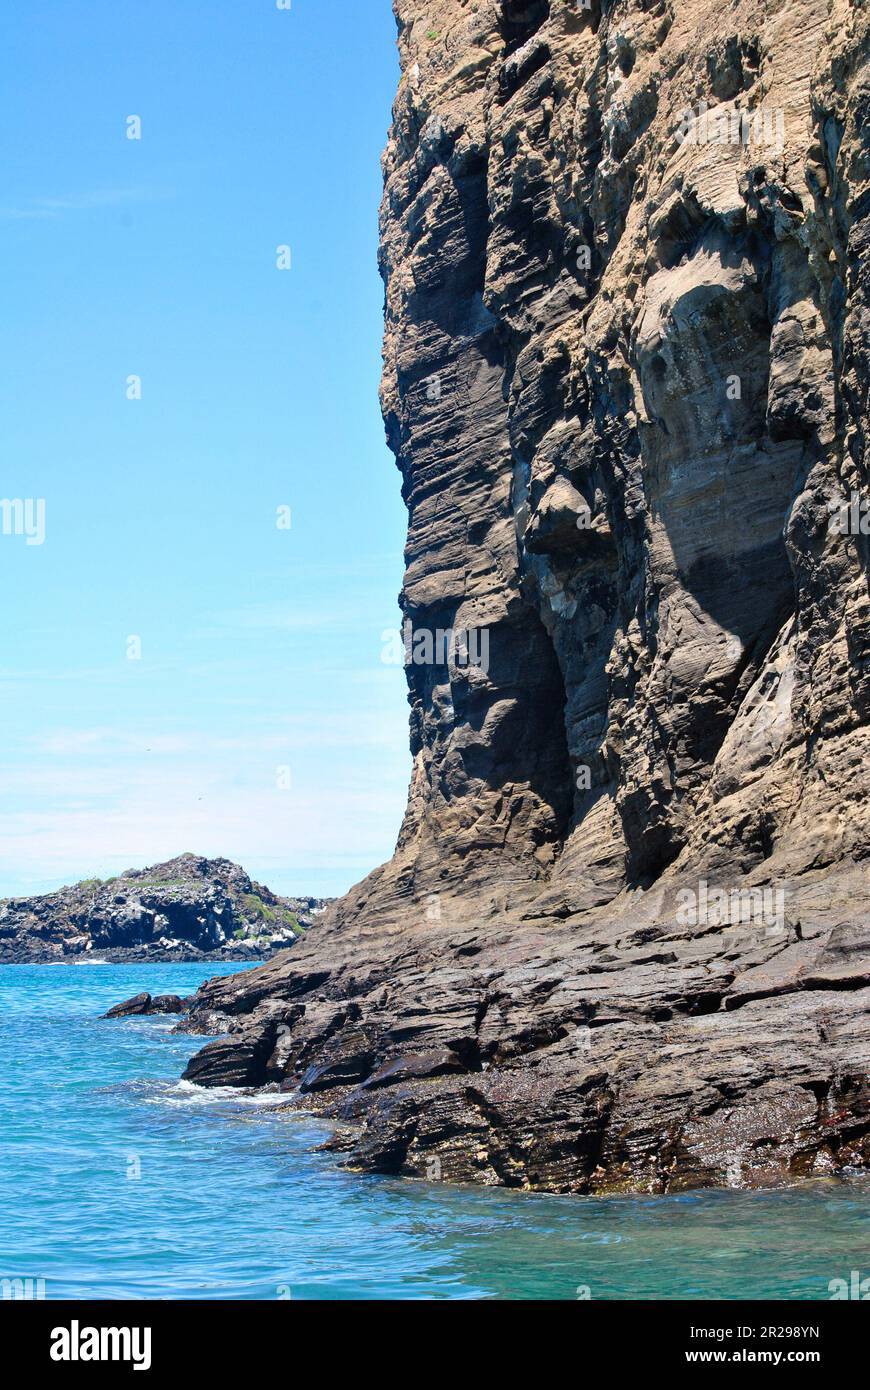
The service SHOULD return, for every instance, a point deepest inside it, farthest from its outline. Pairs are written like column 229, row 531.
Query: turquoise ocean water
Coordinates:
column 119, row 1181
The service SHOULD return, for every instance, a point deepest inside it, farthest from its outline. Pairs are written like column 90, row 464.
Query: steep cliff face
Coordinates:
column 621, row 943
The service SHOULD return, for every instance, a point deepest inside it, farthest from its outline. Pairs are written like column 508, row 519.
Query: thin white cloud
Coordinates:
column 81, row 202
column 357, row 729
column 153, row 819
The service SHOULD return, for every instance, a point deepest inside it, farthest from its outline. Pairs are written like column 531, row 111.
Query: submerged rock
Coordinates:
column 626, row 256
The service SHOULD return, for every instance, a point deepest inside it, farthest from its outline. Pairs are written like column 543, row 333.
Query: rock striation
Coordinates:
column 189, row 908
column 623, row 942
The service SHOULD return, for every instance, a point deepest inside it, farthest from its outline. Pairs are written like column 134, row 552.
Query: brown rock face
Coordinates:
column 622, row 941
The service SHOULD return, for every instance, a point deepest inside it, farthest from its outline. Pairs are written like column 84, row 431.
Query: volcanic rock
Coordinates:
column 187, row 909
column 145, row 1004
column 626, row 251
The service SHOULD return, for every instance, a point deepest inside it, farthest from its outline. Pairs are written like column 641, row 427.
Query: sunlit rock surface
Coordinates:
column 622, row 942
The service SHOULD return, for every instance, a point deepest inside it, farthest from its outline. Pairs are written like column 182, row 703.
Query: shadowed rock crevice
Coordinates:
column 519, row 20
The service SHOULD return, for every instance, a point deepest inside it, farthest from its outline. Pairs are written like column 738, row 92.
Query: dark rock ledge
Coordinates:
column 593, row 1057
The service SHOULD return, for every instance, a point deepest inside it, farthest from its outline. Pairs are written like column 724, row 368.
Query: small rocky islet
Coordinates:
column 189, row 908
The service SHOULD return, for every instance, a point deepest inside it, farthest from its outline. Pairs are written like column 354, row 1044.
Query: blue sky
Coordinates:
column 261, row 648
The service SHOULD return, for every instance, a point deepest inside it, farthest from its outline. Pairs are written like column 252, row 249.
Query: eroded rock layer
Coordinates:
column 622, row 942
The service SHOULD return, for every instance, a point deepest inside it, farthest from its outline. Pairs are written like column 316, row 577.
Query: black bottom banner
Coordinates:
column 219, row 1338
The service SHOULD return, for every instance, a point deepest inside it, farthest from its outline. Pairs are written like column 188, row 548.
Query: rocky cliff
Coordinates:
column 623, row 942
column 186, row 909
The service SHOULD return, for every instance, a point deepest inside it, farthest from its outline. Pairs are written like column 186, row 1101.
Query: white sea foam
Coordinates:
column 185, row 1093
column 86, row 961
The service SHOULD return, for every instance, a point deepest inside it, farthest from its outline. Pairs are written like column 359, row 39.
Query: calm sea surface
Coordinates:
column 119, row 1181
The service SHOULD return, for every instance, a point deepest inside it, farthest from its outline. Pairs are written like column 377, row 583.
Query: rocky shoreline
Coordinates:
column 604, row 1057
column 622, row 945
column 186, row 910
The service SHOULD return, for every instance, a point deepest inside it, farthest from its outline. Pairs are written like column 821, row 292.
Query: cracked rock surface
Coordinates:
column 623, row 942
